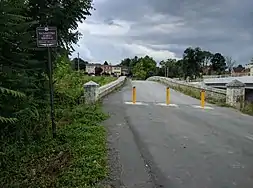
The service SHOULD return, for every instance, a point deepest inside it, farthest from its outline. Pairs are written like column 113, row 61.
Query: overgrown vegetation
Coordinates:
column 77, row 157
column 29, row 157
column 24, row 93
column 248, row 108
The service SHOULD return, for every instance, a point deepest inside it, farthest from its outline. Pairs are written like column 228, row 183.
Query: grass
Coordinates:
column 248, row 108
column 76, row 157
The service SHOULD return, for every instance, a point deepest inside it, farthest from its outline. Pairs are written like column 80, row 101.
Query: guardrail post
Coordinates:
column 90, row 92
column 134, row 95
column 202, row 98
column 167, row 95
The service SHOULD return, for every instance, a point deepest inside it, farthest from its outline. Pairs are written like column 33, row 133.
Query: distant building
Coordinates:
column 124, row 70
column 107, row 69
column 249, row 66
column 90, row 68
column 251, row 71
column 116, row 70
column 240, row 71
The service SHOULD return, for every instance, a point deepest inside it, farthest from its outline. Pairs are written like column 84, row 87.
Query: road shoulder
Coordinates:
column 126, row 165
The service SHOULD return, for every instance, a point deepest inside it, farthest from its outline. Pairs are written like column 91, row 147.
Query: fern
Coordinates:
column 12, row 92
column 8, row 120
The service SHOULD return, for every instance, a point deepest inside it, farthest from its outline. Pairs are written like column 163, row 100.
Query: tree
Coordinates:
column 171, row 67
column 144, row 67
column 98, row 71
column 126, row 62
column 230, row 63
column 207, row 56
column 130, row 63
column 64, row 14
column 218, row 63
column 192, row 60
column 82, row 63
column 106, row 63
column 22, row 84
column 24, row 67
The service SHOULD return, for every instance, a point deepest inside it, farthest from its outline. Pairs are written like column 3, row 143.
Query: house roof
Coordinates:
column 238, row 69
column 93, row 64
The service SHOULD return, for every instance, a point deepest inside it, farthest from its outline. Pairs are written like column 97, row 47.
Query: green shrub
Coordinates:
column 248, row 108
column 77, row 157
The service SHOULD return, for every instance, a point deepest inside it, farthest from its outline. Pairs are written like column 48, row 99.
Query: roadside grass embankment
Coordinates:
column 77, row 157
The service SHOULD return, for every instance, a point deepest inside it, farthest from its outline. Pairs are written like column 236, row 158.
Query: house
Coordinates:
column 116, row 70
column 249, row 66
column 124, row 70
column 107, row 69
column 240, row 71
column 90, row 68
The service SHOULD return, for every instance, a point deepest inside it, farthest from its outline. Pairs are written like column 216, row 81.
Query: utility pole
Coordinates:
column 78, row 65
column 166, row 71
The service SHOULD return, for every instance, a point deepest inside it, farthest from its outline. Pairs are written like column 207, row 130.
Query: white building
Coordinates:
column 116, row 70
column 90, row 68
column 248, row 66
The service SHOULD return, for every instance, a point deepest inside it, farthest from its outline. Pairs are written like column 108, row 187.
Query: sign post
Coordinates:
column 47, row 38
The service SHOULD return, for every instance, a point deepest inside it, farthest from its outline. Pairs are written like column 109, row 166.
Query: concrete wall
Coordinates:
column 108, row 88
column 92, row 91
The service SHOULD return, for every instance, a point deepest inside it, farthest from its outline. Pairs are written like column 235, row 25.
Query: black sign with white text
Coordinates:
column 46, row 36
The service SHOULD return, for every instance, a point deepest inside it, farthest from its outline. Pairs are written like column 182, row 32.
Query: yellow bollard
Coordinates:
column 202, row 98
column 134, row 95
column 167, row 95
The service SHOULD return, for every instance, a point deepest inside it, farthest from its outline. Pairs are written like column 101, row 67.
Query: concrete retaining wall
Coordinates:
column 92, row 91
column 108, row 88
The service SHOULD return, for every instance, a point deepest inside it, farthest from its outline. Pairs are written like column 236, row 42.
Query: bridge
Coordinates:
column 221, row 82
column 178, row 145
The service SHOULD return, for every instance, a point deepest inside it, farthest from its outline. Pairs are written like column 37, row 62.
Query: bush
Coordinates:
column 77, row 157
column 248, row 108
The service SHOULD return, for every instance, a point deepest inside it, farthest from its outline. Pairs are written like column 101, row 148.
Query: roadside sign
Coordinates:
column 46, row 36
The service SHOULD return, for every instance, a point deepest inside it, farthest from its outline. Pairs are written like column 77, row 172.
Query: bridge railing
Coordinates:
column 234, row 95
column 92, row 91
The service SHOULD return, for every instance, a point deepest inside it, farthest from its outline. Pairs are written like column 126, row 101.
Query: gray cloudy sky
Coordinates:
column 165, row 28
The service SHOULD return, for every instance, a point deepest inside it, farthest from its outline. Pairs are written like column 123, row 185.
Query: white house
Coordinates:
column 116, row 70
column 90, row 68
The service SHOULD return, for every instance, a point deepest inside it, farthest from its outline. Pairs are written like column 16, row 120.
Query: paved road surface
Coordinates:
column 180, row 146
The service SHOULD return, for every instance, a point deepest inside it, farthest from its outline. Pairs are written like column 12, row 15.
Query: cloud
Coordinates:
column 164, row 29
column 157, row 54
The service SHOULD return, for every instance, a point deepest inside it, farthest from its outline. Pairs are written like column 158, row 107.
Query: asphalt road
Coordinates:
column 178, row 146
